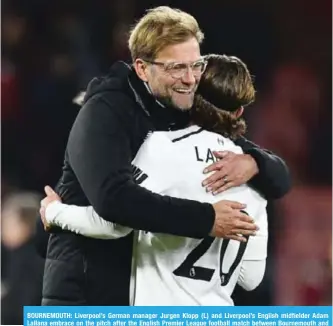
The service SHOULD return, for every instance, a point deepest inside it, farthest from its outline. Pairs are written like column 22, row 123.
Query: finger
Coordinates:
column 45, row 202
column 244, row 232
column 237, row 238
column 225, row 177
column 245, row 218
column 213, row 178
column 246, row 226
column 214, row 182
column 42, row 215
column 235, row 204
column 42, row 203
column 217, row 175
column 44, row 221
column 226, row 160
column 214, row 186
column 49, row 191
column 214, row 167
column 223, row 187
column 222, row 154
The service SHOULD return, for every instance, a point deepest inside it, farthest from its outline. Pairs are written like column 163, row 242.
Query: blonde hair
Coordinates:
column 160, row 27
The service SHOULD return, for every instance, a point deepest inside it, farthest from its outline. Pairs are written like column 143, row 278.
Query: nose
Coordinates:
column 189, row 78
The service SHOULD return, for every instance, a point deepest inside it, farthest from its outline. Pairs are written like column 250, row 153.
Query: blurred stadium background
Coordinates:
column 51, row 49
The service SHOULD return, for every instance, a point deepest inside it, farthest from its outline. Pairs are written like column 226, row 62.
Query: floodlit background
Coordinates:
column 51, row 49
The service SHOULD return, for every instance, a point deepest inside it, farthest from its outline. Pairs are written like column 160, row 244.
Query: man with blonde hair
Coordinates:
column 180, row 270
column 156, row 93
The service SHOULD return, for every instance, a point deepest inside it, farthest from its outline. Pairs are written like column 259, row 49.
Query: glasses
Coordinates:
column 179, row 69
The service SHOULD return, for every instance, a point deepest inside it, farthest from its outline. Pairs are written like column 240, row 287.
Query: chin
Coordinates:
column 176, row 103
column 183, row 106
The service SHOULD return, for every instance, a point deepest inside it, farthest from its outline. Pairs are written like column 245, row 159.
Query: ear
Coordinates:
column 238, row 113
column 141, row 69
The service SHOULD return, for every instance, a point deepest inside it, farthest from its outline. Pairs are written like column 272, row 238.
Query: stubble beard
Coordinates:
column 168, row 101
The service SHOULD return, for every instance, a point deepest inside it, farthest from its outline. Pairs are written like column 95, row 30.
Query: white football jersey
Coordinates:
column 168, row 269
column 173, row 270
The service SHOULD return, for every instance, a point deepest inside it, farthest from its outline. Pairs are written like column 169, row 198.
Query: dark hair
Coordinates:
column 225, row 86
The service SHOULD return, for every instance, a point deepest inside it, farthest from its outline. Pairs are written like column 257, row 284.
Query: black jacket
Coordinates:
column 108, row 131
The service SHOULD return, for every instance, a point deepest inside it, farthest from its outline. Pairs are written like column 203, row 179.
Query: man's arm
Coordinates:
column 86, row 222
column 254, row 261
column 251, row 274
column 273, row 179
column 100, row 156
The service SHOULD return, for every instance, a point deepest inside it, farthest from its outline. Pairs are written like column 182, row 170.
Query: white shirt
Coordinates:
column 172, row 270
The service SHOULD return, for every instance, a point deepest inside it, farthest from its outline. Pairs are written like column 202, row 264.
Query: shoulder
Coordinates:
column 112, row 92
column 222, row 143
column 113, row 101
